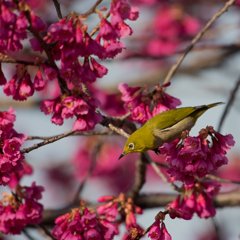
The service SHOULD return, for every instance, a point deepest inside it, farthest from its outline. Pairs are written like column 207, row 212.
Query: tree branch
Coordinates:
column 198, row 36
column 51, row 140
column 229, row 104
column 58, row 9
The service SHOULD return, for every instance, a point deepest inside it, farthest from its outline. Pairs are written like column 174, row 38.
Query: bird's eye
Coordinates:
column 131, row 146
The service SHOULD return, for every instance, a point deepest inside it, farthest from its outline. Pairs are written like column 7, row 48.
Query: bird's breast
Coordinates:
column 169, row 134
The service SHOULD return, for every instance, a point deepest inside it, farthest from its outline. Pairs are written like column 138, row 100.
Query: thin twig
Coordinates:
column 99, row 25
column 229, row 104
column 159, row 172
column 45, row 230
column 51, row 140
column 96, row 150
column 221, row 179
column 118, row 130
column 92, row 9
column 58, row 9
column 27, row 234
column 217, row 228
column 197, row 37
column 90, row 133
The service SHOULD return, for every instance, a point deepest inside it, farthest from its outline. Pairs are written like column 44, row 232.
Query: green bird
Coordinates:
column 163, row 128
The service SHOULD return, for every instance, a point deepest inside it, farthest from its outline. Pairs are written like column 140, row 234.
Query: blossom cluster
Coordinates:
column 192, row 157
column 71, row 41
column 121, row 205
column 20, row 86
column 195, row 198
column 13, row 26
column 82, row 223
column 19, row 209
column 11, row 159
column 138, row 101
column 80, row 105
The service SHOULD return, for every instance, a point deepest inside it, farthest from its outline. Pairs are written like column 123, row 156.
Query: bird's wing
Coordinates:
column 167, row 119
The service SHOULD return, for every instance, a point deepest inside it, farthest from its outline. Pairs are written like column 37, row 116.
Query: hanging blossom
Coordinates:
column 79, row 104
column 83, row 223
column 158, row 230
column 111, row 32
column 196, row 156
column 139, row 100
column 13, row 26
column 121, row 205
column 11, row 159
column 195, row 198
column 21, row 208
column 21, row 87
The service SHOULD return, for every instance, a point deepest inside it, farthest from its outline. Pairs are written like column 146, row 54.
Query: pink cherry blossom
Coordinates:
column 194, row 156
column 38, row 83
column 20, row 209
column 195, row 198
column 83, row 224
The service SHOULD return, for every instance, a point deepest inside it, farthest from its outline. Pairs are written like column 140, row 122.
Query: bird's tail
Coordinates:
column 213, row 104
column 202, row 109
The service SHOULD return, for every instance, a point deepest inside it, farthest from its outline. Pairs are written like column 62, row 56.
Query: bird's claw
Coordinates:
column 157, row 151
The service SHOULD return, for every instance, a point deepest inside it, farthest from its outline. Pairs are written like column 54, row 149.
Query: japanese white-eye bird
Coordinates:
column 163, row 128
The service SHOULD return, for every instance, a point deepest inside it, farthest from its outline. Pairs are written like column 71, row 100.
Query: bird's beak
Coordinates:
column 123, row 154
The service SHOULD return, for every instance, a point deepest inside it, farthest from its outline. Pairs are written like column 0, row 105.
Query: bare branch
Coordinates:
column 159, row 172
column 58, row 9
column 221, row 179
column 198, row 36
column 91, row 133
column 51, row 140
column 229, row 104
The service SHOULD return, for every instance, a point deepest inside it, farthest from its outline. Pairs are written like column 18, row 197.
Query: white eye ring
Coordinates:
column 131, row 146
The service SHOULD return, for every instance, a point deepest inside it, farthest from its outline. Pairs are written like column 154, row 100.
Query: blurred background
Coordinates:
column 208, row 74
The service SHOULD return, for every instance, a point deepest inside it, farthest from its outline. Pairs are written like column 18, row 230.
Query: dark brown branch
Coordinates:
column 197, row 37
column 45, row 231
column 58, row 9
column 62, row 83
column 140, row 177
column 230, row 199
column 229, row 104
column 51, row 140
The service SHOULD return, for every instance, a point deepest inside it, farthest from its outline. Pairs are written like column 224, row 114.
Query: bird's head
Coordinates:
column 133, row 144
